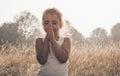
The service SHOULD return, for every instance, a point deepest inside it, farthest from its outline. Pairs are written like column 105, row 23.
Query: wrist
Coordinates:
column 47, row 38
column 52, row 40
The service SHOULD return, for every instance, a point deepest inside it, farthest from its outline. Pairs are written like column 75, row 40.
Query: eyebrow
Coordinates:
column 54, row 20
column 46, row 21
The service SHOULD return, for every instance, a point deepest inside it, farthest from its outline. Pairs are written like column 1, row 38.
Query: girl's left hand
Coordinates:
column 51, row 34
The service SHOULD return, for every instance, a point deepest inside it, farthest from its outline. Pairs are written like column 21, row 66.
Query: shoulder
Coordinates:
column 67, row 40
column 39, row 40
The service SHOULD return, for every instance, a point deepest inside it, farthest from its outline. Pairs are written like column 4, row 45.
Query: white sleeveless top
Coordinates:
column 53, row 67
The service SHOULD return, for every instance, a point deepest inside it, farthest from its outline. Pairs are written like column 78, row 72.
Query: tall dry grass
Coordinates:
column 87, row 61
column 18, row 61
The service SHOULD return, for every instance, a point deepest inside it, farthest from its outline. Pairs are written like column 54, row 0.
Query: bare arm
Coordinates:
column 62, row 53
column 42, row 50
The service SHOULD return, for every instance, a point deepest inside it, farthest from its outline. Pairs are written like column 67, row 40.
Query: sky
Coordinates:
column 84, row 15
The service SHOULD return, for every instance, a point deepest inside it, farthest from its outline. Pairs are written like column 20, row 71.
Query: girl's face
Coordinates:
column 51, row 20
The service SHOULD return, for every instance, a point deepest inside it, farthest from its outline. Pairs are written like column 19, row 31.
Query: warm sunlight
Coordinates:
column 85, row 15
column 36, row 40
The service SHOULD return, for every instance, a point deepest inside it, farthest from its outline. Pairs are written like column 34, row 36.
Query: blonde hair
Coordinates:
column 53, row 11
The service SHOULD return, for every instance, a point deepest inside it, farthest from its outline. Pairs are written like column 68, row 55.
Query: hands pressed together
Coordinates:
column 50, row 34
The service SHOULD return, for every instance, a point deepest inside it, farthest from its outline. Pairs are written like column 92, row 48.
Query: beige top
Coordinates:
column 53, row 67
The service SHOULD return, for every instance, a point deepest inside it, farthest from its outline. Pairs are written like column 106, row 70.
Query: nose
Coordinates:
column 50, row 25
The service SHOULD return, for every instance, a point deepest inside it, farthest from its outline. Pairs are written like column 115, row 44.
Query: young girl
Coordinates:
column 52, row 52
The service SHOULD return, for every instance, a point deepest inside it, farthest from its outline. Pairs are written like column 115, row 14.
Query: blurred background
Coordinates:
column 92, row 25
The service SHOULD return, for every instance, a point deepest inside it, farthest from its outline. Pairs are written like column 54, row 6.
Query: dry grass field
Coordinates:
column 87, row 61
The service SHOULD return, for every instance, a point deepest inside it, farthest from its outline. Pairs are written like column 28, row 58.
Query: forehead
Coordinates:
column 51, row 16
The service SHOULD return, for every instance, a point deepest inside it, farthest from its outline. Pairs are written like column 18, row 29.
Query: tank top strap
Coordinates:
column 60, row 41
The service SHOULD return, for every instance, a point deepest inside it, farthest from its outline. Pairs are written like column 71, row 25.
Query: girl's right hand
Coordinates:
column 49, row 32
column 47, row 36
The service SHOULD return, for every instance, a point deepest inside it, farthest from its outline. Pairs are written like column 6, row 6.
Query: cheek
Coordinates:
column 55, row 28
column 45, row 29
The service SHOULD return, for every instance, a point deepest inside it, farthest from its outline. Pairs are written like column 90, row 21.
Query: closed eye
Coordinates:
column 54, row 22
column 46, row 22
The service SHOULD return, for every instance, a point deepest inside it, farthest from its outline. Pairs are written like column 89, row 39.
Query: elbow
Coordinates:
column 41, row 60
column 42, row 63
column 63, row 60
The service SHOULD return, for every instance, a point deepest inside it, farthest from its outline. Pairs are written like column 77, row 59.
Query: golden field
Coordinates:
column 86, row 61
